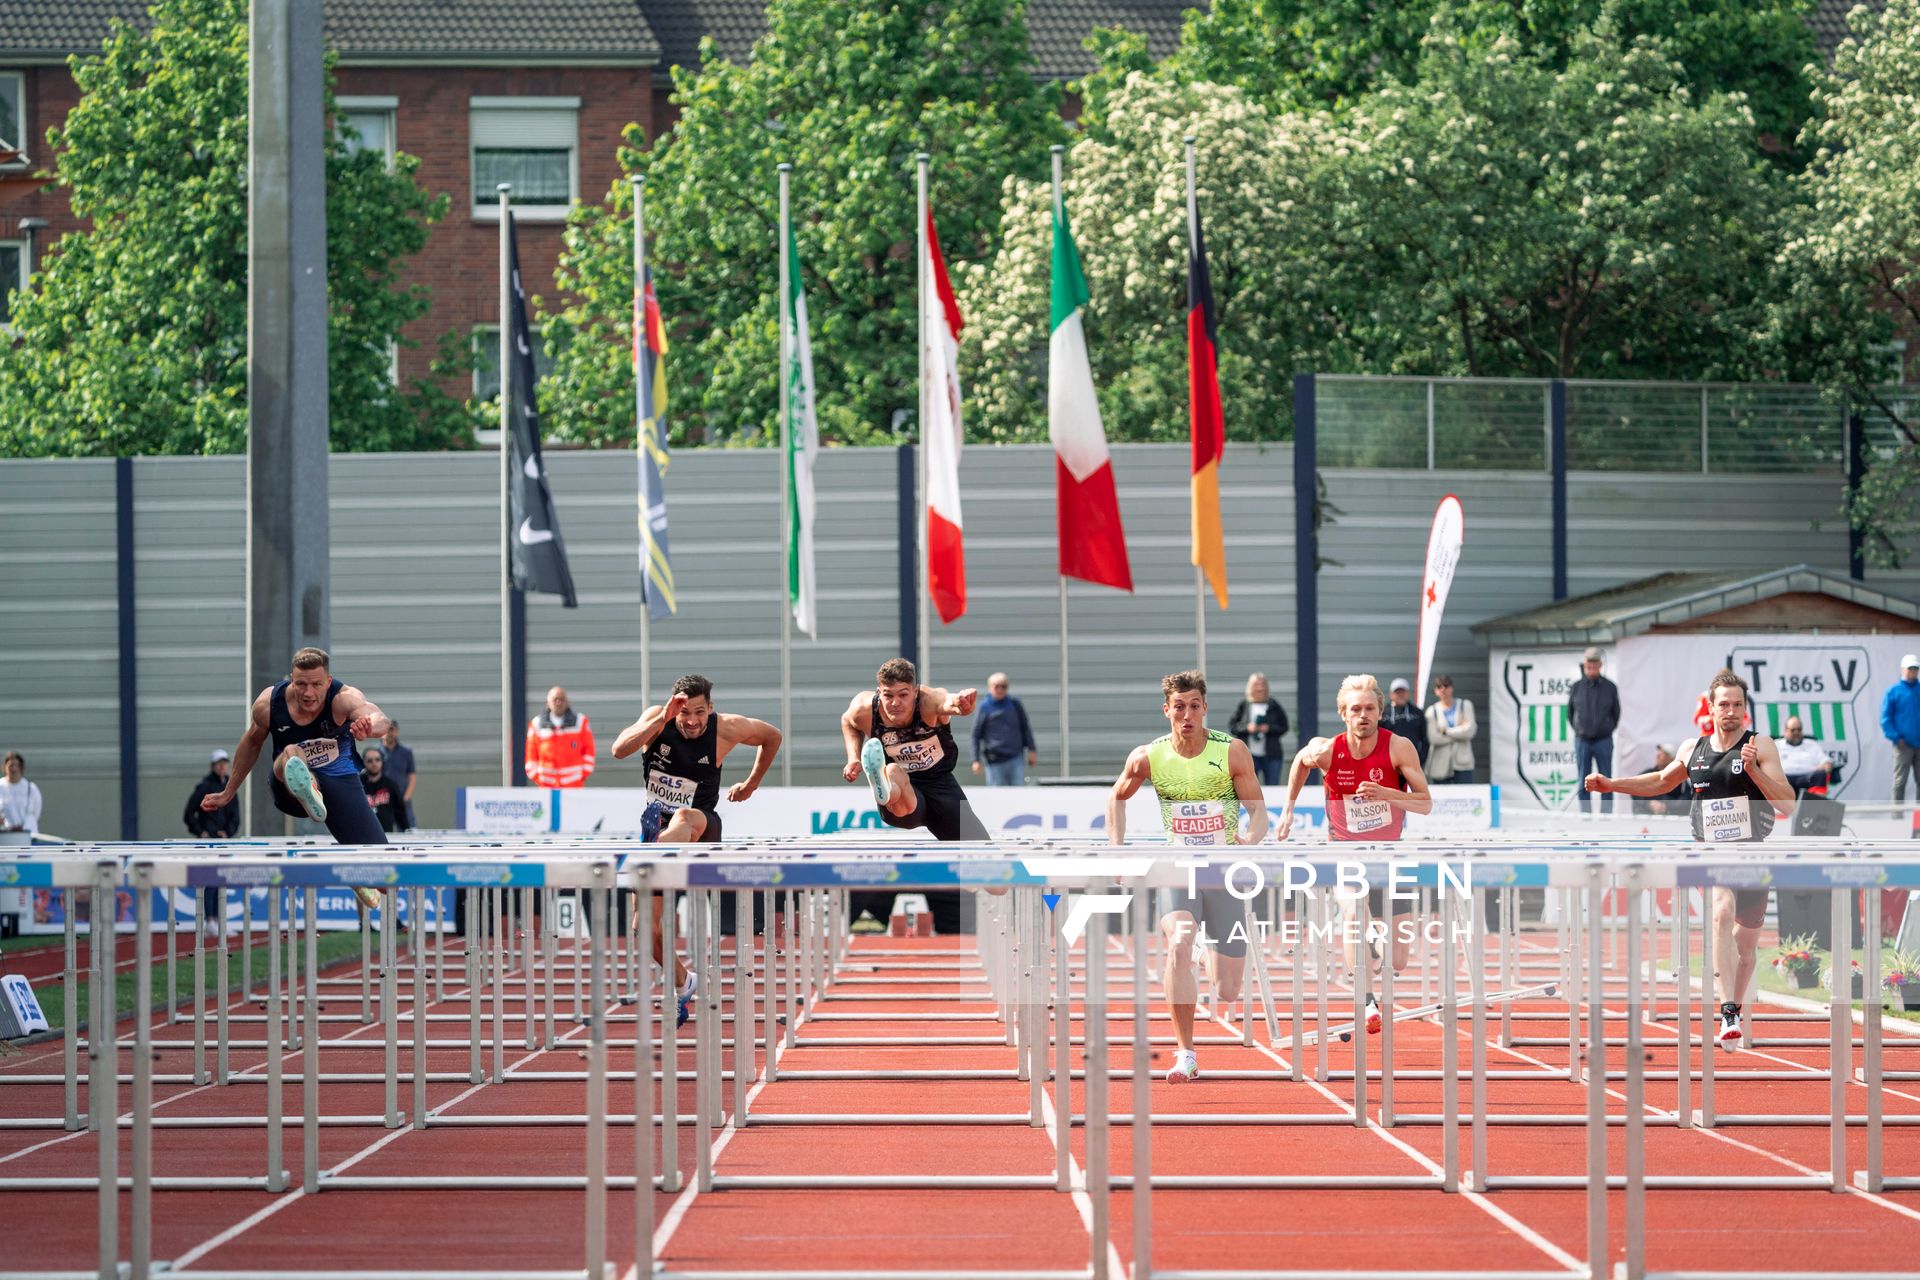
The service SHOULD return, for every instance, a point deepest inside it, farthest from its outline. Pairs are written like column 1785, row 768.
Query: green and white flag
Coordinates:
column 803, row 446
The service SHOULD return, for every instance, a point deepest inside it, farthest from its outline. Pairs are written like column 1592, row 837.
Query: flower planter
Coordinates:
column 1908, row 997
column 1806, row 979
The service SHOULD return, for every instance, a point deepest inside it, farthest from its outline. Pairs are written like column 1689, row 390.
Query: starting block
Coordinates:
column 911, row 918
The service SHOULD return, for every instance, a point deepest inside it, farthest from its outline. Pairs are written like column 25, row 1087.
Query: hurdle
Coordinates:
column 1029, row 973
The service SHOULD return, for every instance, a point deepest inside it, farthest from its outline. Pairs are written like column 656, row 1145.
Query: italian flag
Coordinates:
column 941, row 433
column 1093, row 546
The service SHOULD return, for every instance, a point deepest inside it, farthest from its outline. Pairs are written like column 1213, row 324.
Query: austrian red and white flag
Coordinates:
column 1444, row 540
column 942, row 434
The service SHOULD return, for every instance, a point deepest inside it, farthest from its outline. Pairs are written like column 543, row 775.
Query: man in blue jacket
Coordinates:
column 1002, row 738
column 1900, row 721
column 1593, row 709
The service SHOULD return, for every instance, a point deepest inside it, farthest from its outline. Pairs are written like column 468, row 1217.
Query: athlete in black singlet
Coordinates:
column 1738, row 788
column 899, row 735
column 312, row 720
column 685, row 741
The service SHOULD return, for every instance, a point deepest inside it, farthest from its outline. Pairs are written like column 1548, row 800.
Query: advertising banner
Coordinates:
column 1531, row 748
column 1011, row 812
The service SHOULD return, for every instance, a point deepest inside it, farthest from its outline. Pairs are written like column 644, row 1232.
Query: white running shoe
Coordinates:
column 1730, row 1034
column 1373, row 1016
column 1185, row 1067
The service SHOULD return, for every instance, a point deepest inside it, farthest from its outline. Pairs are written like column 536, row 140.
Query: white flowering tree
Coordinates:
column 1126, row 200
column 1505, row 214
column 1850, row 273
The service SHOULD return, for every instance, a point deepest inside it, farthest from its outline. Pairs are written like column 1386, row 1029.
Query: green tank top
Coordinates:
column 1198, row 805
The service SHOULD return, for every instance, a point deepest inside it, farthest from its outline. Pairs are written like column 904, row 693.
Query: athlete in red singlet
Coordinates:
column 1373, row 781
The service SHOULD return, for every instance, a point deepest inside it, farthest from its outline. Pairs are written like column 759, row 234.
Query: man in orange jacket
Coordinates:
column 559, row 745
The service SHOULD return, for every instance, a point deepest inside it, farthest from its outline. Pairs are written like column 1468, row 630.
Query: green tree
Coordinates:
column 1296, row 53
column 846, row 92
column 1499, row 216
column 1849, row 274
column 132, row 338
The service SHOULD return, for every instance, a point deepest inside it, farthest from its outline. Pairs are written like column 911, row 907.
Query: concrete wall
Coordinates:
column 416, row 612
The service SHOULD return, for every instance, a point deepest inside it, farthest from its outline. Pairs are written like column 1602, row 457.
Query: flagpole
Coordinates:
column 1199, row 579
column 925, row 575
column 786, row 488
column 507, row 717
column 640, row 390
column 1066, row 741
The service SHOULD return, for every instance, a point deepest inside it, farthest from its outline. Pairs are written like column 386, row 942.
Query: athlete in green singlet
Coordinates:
column 1203, row 779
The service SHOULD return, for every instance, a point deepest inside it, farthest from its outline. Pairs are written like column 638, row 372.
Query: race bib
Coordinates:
column 1197, row 822
column 913, row 756
column 319, row 751
column 668, row 789
column 1728, row 818
column 1365, row 815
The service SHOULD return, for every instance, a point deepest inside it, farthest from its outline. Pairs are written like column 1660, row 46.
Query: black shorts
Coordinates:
column 940, row 805
column 350, row 818
column 1750, row 907
column 1221, row 918
column 659, row 814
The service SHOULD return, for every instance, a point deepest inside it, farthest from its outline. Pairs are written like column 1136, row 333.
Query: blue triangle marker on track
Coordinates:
column 1051, row 899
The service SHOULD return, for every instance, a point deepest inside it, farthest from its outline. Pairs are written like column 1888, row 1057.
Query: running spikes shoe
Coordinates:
column 684, row 1009
column 873, row 761
column 1730, row 1034
column 1373, row 1016
column 1186, row 1066
column 299, row 782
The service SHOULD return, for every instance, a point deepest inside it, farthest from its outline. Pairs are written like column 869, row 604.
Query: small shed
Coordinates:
column 1809, row 642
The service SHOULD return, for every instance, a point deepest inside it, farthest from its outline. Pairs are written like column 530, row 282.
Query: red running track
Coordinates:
column 900, row 1232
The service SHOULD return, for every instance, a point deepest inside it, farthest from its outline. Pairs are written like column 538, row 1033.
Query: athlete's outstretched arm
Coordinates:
column 244, row 756
column 364, row 720
column 1416, row 798
column 940, row 706
column 1317, row 754
column 853, row 728
column 1131, row 777
column 639, row 735
column 762, row 737
column 1656, row 783
column 1246, row 786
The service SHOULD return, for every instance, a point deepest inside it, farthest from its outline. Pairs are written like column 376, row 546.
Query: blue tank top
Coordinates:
column 326, row 743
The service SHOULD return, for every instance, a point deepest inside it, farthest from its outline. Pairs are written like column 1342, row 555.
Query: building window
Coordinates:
column 486, row 361
column 13, row 116
column 13, row 275
column 366, row 124
column 532, row 143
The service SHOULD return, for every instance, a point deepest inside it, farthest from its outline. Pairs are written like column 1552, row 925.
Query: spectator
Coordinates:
column 1900, row 721
column 213, row 824
column 1404, row 718
column 559, row 745
column 400, row 767
column 1593, row 709
column 1804, row 761
column 383, row 793
column 1450, row 730
column 1678, row 800
column 1002, row 738
column 20, row 800
column 1261, row 722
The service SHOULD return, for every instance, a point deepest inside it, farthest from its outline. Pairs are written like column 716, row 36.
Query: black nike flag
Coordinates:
column 539, row 556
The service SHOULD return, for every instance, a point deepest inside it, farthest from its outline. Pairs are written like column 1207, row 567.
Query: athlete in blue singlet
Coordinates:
column 313, row 721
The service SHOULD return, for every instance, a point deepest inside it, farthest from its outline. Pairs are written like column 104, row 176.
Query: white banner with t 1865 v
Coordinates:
column 1015, row 812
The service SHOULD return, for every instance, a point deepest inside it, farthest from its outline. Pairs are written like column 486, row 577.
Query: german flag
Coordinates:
column 1208, row 421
